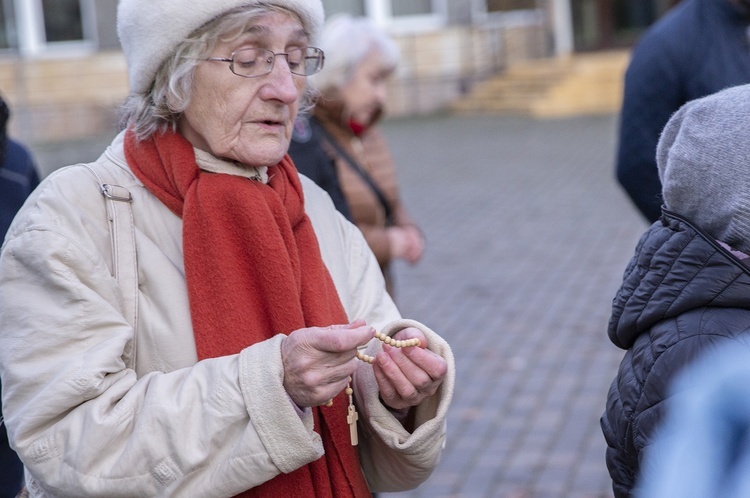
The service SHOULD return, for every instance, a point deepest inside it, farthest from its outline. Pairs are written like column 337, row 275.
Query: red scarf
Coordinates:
column 253, row 270
column 357, row 128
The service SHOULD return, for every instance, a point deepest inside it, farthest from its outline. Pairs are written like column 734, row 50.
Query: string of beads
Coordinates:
column 388, row 340
column 369, row 359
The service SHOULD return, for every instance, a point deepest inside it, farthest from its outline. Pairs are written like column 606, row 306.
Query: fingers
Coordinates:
column 418, row 367
column 332, row 340
column 318, row 361
column 415, row 244
column 406, row 377
column 315, row 385
column 396, row 389
column 433, row 364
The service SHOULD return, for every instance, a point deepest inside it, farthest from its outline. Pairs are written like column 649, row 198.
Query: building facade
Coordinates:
column 62, row 71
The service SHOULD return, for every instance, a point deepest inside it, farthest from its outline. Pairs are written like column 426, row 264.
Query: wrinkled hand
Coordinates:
column 318, row 361
column 408, row 376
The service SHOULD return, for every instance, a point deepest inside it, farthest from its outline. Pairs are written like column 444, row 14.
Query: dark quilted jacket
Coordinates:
column 682, row 294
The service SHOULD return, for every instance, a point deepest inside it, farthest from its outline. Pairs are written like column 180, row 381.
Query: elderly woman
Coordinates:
column 360, row 58
column 195, row 331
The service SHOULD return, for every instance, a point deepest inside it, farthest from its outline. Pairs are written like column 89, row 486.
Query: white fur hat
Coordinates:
column 150, row 30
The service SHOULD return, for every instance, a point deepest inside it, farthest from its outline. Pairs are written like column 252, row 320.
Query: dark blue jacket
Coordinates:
column 682, row 296
column 18, row 177
column 311, row 159
column 698, row 48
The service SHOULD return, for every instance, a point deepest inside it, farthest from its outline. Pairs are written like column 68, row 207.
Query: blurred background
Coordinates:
column 63, row 74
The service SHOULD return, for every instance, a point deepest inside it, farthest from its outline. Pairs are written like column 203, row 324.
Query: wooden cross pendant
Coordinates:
column 352, row 419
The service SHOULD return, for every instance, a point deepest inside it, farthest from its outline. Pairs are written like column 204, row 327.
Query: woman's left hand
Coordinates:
column 407, row 376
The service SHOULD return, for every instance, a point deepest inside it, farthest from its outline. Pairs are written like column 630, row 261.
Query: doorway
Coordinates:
column 607, row 24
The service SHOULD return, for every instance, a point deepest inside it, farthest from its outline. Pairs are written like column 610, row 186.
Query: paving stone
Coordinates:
column 527, row 239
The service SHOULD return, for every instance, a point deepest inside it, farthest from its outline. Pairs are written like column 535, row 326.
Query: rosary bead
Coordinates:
column 391, row 341
column 364, row 357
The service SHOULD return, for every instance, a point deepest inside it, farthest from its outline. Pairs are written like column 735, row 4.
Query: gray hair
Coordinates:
column 160, row 109
column 346, row 41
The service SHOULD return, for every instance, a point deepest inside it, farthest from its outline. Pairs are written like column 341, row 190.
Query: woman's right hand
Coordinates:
column 319, row 361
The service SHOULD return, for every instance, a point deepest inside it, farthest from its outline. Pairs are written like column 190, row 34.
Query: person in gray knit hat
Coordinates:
column 188, row 316
column 685, row 291
column 703, row 155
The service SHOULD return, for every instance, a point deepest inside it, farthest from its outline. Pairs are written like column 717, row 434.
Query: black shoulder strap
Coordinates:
column 353, row 164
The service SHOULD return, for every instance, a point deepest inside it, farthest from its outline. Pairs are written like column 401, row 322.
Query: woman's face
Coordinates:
column 247, row 119
column 366, row 91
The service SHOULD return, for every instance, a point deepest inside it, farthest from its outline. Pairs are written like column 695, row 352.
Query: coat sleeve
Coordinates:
column 393, row 458
column 83, row 423
column 653, row 91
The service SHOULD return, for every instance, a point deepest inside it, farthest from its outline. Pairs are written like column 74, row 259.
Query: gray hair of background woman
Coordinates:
column 346, row 40
column 159, row 109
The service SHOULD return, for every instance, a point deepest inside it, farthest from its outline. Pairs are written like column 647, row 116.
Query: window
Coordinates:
column 55, row 27
column 8, row 34
column 62, row 20
column 410, row 7
column 508, row 5
column 353, row 7
column 601, row 24
column 401, row 15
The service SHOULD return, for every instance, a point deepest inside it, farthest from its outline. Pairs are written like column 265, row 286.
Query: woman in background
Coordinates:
column 360, row 58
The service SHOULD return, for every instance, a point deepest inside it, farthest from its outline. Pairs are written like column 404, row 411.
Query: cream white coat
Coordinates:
column 87, row 424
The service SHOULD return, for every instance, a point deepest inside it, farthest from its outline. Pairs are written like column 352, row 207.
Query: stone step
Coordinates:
column 581, row 84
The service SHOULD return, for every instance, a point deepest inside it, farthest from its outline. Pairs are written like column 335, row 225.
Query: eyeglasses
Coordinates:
column 252, row 62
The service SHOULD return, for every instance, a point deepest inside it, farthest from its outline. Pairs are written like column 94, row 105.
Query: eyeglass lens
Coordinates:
column 257, row 61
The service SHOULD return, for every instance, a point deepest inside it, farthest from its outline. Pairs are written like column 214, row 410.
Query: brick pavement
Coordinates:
column 528, row 235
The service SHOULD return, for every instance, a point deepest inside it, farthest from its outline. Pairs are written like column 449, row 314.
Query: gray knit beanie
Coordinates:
column 704, row 165
column 151, row 30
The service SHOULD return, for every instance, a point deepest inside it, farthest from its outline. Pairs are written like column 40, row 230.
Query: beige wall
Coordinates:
column 60, row 99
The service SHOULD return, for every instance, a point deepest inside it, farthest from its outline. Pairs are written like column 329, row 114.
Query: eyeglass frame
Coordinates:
column 321, row 60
